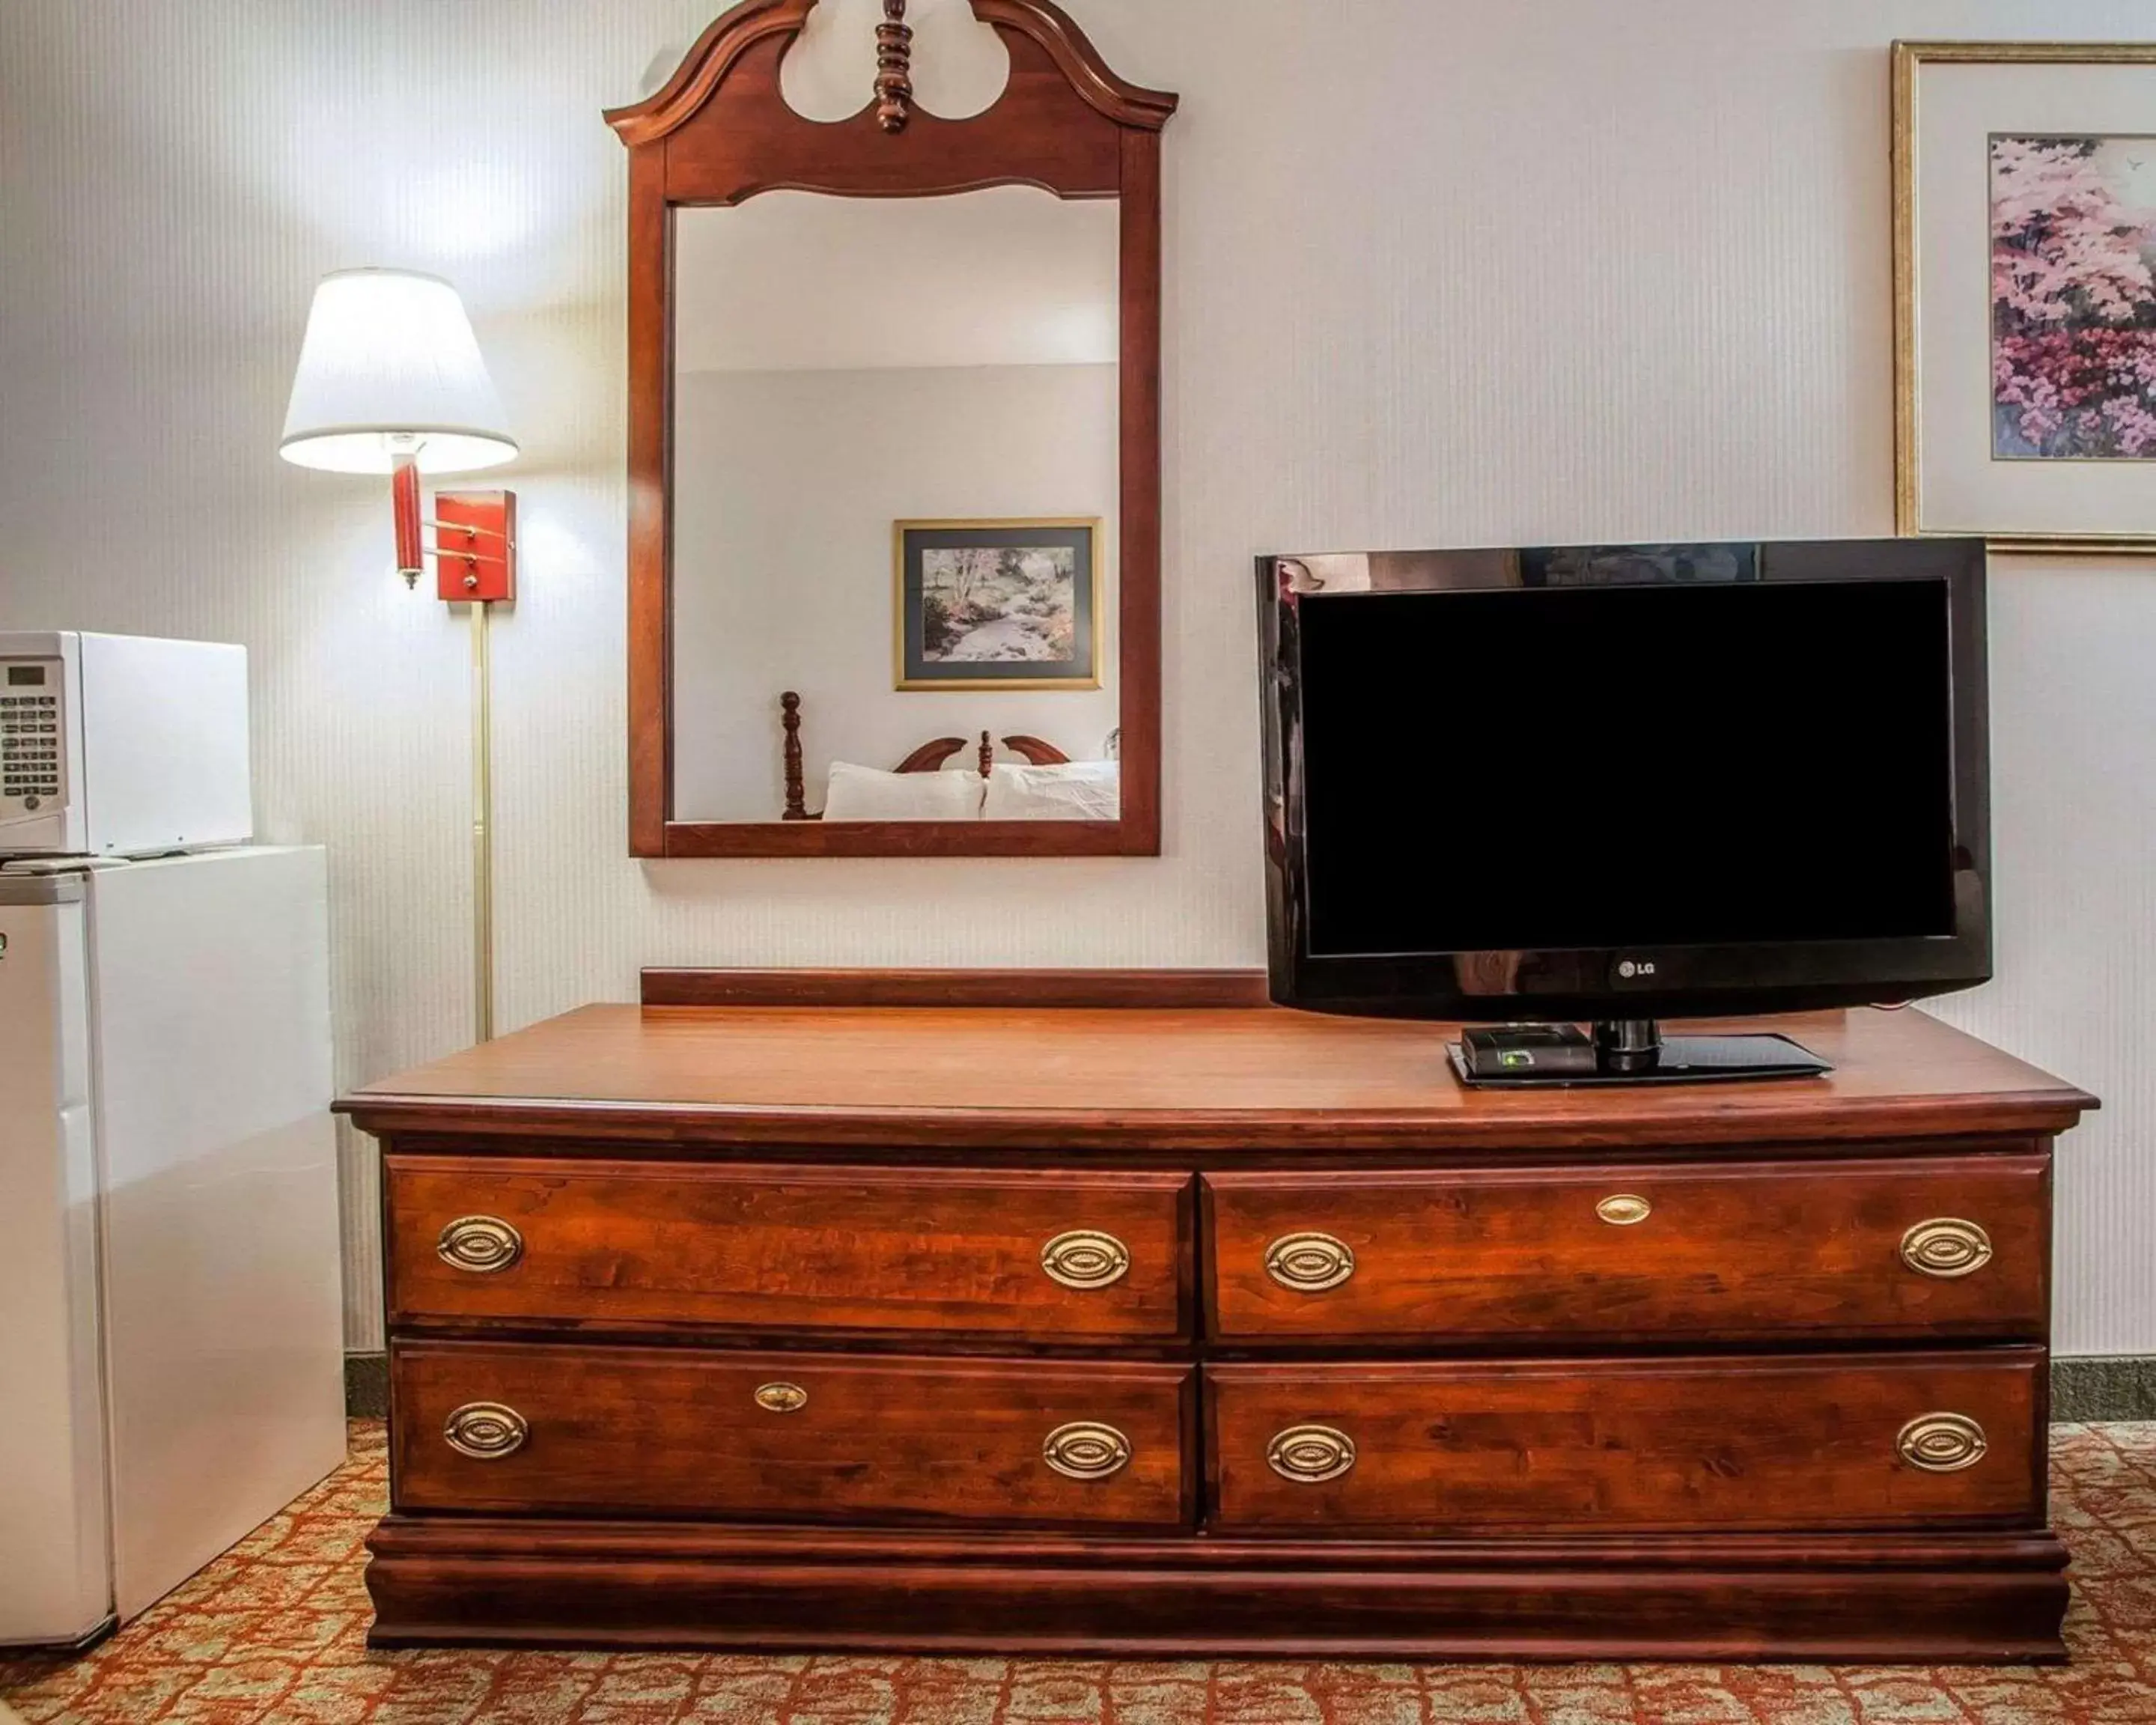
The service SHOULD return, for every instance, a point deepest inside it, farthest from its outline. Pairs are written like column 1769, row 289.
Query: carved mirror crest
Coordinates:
column 894, row 454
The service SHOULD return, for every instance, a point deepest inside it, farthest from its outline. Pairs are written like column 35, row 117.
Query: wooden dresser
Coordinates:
column 1225, row 1330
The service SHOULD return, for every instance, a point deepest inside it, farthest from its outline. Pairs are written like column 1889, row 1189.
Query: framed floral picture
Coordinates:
column 2025, row 291
column 997, row 604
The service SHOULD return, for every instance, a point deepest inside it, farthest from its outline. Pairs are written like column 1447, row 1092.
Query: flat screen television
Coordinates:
column 1618, row 783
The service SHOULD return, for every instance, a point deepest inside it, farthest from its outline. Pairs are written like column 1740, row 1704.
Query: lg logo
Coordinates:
column 1628, row 968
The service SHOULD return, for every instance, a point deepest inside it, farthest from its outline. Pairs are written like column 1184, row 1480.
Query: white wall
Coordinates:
column 794, row 281
column 1438, row 272
column 787, row 484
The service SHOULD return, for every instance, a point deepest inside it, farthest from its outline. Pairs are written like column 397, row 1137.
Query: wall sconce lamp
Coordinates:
column 390, row 380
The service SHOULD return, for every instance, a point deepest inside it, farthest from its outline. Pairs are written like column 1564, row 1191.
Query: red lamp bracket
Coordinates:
column 475, row 547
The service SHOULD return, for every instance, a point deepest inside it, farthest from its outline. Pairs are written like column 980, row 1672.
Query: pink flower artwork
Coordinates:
column 2073, row 298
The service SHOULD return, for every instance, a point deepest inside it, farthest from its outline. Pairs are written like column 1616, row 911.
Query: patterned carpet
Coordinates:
column 274, row 1631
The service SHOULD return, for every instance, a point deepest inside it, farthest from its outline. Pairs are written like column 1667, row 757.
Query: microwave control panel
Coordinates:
column 32, row 761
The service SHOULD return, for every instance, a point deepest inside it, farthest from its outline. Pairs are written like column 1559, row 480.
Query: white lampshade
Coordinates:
column 390, row 354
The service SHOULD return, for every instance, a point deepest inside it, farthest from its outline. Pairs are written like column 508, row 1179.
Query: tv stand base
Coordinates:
column 1622, row 1051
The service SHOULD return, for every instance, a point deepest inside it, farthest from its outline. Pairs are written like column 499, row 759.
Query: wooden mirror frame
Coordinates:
column 719, row 132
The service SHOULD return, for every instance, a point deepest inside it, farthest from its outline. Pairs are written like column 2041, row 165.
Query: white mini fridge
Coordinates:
column 170, row 1347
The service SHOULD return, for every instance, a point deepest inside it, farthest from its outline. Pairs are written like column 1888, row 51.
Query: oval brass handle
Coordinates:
column 1084, row 1449
column 1309, row 1263
column 479, row 1244
column 485, row 1431
column 1941, row 1443
column 1309, row 1455
column 782, row 1397
column 1085, row 1258
column 1621, row 1209
column 1946, row 1247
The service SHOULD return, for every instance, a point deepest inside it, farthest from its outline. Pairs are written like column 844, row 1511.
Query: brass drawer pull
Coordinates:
column 1085, row 1258
column 1311, row 1454
column 485, row 1431
column 1941, row 1443
column 1621, row 1209
column 481, row 1244
column 1309, row 1263
column 1085, row 1451
column 782, row 1397
column 1946, row 1247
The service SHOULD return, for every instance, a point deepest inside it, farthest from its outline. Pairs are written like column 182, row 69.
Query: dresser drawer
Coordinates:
column 1951, row 1247
column 1053, row 1253
column 509, row 1428
column 1580, row 1446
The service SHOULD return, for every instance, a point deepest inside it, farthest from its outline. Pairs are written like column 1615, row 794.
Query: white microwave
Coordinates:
column 121, row 745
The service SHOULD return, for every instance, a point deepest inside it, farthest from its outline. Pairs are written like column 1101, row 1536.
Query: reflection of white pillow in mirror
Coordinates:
column 1083, row 790
column 866, row 793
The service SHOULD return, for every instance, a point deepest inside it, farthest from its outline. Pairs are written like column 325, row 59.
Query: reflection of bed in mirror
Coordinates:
column 1044, row 784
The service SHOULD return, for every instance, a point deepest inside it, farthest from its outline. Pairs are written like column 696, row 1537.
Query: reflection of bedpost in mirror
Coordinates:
column 797, row 808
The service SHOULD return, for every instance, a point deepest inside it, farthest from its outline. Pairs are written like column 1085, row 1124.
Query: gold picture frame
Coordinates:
column 914, row 664
column 1909, row 60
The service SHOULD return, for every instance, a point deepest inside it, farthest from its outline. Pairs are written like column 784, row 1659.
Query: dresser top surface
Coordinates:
column 1257, row 1078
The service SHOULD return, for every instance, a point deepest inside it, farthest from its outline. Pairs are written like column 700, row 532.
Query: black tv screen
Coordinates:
column 1754, row 778
column 1620, row 767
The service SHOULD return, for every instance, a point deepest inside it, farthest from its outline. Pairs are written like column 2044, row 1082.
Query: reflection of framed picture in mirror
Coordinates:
column 2024, row 265
column 997, row 604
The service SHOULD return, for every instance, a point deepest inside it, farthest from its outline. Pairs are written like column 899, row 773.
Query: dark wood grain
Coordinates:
column 1978, row 1597
column 1544, row 1446
column 1637, row 1553
column 1184, row 989
column 1671, row 1439
column 789, row 755
column 1138, row 573
column 895, row 838
column 718, row 132
column 1266, row 1080
column 1741, row 1251
column 650, row 286
column 674, row 1432
column 744, row 140
column 1036, row 752
column 626, row 1245
column 894, row 82
column 930, row 757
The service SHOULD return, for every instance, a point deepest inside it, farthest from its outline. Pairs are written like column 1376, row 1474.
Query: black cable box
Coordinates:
column 1525, row 1050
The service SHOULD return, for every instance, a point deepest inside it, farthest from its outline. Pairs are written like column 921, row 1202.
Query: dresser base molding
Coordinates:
column 1978, row 1597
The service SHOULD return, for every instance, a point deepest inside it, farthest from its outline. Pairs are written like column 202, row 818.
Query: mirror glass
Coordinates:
column 895, row 483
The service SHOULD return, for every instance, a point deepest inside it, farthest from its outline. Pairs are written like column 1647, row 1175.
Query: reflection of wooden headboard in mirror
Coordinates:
column 719, row 136
column 930, row 758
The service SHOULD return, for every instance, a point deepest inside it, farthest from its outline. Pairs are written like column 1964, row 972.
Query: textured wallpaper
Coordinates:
column 1438, row 273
